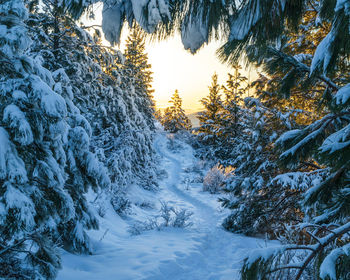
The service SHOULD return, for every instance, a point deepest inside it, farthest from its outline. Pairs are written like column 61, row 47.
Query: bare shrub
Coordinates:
column 145, row 204
column 168, row 217
column 181, row 218
column 216, row 178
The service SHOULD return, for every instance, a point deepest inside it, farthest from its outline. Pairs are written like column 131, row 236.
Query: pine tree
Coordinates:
column 138, row 70
column 53, row 87
column 174, row 117
column 236, row 85
column 41, row 201
column 260, row 192
column 209, row 118
column 316, row 144
column 260, row 204
column 158, row 115
column 106, row 96
column 276, row 197
column 83, row 169
column 232, row 116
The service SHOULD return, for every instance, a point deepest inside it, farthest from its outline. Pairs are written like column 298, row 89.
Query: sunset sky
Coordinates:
column 175, row 68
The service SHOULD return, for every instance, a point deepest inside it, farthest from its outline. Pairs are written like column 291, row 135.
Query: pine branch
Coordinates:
column 297, row 247
column 311, row 164
column 94, row 26
column 12, row 247
column 313, row 236
column 322, row 244
column 285, row 267
column 317, row 12
column 315, row 249
column 281, row 201
column 297, row 64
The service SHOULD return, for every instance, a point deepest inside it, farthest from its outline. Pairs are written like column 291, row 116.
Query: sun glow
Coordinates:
column 175, row 68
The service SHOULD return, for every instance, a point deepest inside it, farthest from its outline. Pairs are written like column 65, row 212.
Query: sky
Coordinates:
column 175, row 68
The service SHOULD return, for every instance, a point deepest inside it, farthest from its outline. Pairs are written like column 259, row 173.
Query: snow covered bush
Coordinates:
column 198, row 166
column 168, row 216
column 162, row 174
column 195, row 172
column 139, row 227
column 121, row 204
column 216, row 178
column 145, row 204
column 181, row 218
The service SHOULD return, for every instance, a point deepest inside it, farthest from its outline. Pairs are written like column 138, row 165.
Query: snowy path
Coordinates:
column 202, row 252
column 175, row 179
column 219, row 253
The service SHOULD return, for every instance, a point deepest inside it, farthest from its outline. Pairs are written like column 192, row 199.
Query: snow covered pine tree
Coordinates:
column 105, row 93
column 138, row 70
column 325, row 253
column 45, row 162
column 208, row 130
column 174, row 118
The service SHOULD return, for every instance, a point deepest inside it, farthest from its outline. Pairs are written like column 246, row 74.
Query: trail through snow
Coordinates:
column 203, row 252
column 175, row 179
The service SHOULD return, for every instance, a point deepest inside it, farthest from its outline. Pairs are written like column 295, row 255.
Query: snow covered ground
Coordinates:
column 203, row 251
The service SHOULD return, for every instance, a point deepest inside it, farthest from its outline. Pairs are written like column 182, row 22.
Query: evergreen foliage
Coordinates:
column 313, row 141
column 71, row 119
column 138, row 70
column 306, row 151
column 174, row 118
column 234, row 118
column 58, row 49
column 46, row 162
column 210, row 117
column 222, row 120
column 117, row 104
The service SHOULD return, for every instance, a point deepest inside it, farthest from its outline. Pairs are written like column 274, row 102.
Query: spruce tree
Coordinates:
column 42, row 199
column 138, row 70
column 277, row 196
column 232, row 119
column 259, row 204
column 174, row 117
column 320, row 70
column 236, row 85
column 209, row 118
column 101, row 87
column 58, row 47
column 32, row 194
